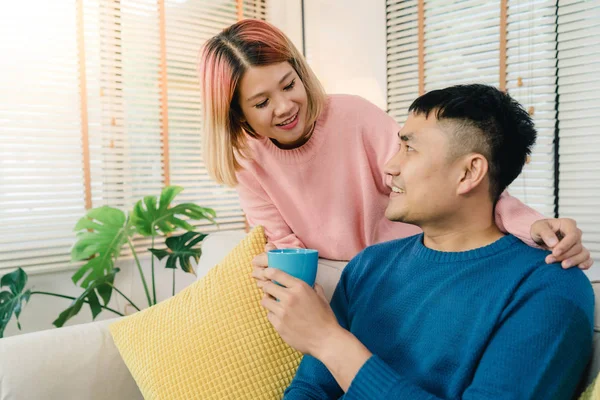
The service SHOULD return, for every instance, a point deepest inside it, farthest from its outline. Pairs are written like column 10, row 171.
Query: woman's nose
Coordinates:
column 284, row 107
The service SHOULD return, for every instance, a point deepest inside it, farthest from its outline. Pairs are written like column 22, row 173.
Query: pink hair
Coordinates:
column 223, row 61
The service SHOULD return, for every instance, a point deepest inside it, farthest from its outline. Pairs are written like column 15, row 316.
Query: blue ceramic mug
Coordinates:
column 299, row 263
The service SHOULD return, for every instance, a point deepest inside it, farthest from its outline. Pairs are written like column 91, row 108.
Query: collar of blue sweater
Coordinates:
column 443, row 256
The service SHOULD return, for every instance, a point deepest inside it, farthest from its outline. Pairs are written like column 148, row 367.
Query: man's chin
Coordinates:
column 395, row 216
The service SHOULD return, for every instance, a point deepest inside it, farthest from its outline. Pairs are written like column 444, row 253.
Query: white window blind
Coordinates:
column 578, row 115
column 189, row 24
column 462, row 45
column 41, row 175
column 531, row 80
column 129, row 100
column 402, row 57
column 122, row 51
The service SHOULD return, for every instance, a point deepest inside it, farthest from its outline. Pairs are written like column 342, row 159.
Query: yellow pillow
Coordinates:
column 210, row 341
column 593, row 391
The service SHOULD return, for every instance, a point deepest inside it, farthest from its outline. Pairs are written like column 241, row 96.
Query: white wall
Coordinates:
column 345, row 43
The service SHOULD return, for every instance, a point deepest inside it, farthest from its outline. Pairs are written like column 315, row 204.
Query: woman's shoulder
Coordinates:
column 360, row 114
column 352, row 107
column 351, row 102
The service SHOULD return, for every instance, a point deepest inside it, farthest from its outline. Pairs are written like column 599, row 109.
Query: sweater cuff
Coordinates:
column 514, row 217
column 374, row 380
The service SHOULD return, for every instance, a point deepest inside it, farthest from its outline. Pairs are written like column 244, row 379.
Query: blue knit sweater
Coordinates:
column 490, row 323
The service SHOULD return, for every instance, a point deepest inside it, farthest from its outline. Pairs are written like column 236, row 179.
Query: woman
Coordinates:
column 309, row 167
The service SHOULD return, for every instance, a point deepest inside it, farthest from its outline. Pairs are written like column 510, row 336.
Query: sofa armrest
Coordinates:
column 215, row 247
column 76, row 362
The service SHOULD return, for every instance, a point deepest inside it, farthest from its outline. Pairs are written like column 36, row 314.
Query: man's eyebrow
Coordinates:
column 263, row 93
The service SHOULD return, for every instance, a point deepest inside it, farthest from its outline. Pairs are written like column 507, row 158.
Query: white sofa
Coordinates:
column 81, row 362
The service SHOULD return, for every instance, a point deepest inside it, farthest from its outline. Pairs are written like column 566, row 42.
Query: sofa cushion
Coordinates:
column 592, row 392
column 73, row 362
column 210, row 341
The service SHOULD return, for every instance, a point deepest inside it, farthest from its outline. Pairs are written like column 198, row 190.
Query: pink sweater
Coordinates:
column 330, row 194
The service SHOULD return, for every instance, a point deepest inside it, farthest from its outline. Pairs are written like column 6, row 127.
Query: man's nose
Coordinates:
column 392, row 166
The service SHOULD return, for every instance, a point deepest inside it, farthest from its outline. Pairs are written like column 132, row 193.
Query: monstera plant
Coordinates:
column 101, row 235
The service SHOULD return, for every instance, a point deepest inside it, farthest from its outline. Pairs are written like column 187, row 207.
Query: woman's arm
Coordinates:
column 560, row 235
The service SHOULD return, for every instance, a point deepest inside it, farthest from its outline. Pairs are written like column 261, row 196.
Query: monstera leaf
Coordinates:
column 11, row 300
column 180, row 248
column 101, row 235
column 150, row 217
column 99, row 287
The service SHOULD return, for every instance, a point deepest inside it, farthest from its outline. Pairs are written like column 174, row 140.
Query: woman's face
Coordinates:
column 274, row 103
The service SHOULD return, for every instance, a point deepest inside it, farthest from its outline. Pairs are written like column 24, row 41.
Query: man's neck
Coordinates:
column 467, row 230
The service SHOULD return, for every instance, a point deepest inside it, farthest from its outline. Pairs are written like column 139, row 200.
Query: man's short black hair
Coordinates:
column 486, row 121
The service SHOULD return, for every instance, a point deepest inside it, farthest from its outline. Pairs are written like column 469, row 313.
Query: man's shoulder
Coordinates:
column 384, row 252
column 552, row 281
column 391, row 247
column 373, row 259
column 571, row 283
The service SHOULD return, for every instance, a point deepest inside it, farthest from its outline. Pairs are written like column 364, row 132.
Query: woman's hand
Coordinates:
column 260, row 263
column 563, row 238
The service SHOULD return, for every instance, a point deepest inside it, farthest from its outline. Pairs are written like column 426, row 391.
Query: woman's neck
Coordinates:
column 300, row 141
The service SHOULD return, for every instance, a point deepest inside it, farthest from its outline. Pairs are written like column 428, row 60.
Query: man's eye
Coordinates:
column 408, row 148
column 290, row 86
column 262, row 104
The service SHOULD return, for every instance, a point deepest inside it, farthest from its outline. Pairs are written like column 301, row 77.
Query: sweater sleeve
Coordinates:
column 313, row 380
column 538, row 350
column 516, row 218
column 260, row 210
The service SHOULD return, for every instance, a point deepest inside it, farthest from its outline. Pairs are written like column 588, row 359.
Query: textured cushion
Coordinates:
column 210, row 341
column 592, row 392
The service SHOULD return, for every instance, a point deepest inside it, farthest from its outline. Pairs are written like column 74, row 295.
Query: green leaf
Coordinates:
column 159, row 253
column 90, row 295
column 15, row 281
column 181, row 249
column 151, row 217
column 100, row 238
column 11, row 301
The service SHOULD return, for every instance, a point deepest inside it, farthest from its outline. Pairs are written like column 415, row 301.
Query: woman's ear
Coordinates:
column 473, row 171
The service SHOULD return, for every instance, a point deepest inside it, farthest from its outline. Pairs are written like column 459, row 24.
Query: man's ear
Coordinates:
column 473, row 171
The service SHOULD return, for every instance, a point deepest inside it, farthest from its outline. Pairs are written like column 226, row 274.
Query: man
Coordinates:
column 461, row 310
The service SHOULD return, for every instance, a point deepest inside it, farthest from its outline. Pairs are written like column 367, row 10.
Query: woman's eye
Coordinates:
column 408, row 148
column 290, row 86
column 262, row 104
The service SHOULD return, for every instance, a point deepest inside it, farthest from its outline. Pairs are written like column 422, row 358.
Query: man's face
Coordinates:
column 423, row 177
